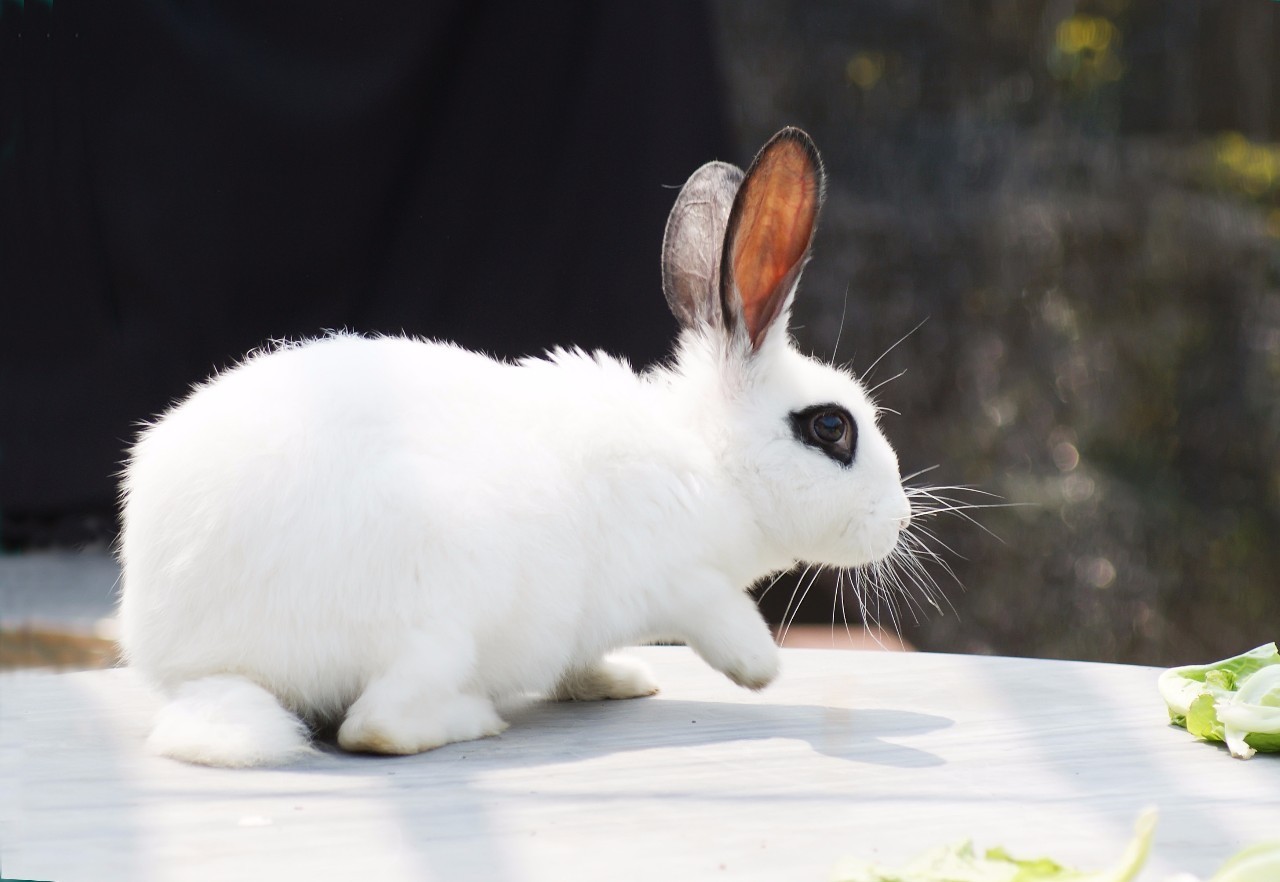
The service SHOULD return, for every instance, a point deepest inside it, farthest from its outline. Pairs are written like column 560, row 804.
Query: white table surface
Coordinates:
column 864, row 754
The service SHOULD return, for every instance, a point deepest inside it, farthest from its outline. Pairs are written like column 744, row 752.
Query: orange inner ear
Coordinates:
column 774, row 231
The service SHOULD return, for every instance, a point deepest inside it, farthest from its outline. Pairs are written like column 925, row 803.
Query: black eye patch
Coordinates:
column 828, row 428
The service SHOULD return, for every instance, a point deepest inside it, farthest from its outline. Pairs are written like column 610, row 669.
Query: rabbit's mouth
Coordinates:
column 863, row 544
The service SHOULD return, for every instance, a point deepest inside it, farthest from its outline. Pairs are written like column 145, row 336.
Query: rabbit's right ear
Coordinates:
column 770, row 232
column 693, row 244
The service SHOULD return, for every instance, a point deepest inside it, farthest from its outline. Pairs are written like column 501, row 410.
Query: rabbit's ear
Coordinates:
column 770, row 230
column 694, row 241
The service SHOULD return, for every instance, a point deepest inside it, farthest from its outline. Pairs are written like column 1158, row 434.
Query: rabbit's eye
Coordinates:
column 829, row 428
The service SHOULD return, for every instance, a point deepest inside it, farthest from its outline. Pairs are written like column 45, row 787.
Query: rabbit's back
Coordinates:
column 297, row 516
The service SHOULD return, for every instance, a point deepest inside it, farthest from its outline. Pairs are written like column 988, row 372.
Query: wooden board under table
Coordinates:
column 867, row 754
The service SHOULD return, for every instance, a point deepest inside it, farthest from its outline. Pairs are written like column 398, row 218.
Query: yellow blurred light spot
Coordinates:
column 1084, row 52
column 865, row 69
column 1232, row 147
column 1085, row 32
column 1251, row 168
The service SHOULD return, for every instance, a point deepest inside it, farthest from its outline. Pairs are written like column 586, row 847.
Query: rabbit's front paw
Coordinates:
column 754, row 670
column 736, row 642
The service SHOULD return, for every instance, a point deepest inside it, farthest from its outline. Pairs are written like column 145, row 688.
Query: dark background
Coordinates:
column 183, row 181
column 1083, row 200
column 1080, row 199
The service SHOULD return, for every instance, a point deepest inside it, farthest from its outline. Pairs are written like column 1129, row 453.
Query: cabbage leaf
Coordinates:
column 1258, row 863
column 1236, row 700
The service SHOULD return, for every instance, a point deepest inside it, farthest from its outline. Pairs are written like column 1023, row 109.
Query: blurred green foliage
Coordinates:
column 1083, row 199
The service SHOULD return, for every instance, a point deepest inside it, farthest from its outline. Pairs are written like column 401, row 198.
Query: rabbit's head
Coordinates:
column 800, row 436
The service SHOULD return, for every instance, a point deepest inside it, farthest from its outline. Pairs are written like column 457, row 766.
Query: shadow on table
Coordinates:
column 609, row 727
column 546, row 732
column 433, row 792
column 446, row 806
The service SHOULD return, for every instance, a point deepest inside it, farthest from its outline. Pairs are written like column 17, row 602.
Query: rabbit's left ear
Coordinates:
column 693, row 244
column 769, row 232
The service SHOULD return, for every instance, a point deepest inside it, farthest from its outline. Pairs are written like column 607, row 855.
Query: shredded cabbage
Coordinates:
column 962, row 863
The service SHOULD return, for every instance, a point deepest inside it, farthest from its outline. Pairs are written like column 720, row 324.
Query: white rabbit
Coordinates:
column 389, row 533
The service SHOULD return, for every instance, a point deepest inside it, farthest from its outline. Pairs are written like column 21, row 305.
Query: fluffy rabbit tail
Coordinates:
column 227, row 720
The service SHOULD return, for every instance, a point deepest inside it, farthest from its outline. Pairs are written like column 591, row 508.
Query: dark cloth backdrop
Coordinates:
column 181, row 181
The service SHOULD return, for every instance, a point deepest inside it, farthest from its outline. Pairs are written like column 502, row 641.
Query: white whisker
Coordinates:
column 795, row 591
column 867, row 372
column 877, row 386
column 903, row 588
column 787, row 625
column 835, row 352
column 914, row 475
column 769, row 587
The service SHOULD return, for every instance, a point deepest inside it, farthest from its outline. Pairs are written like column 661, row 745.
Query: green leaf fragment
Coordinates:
column 1258, row 863
column 1263, row 743
column 1220, row 679
column 1202, row 718
column 1039, row 868
column 961, row 863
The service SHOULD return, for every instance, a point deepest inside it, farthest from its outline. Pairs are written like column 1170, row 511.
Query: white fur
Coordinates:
column 225, row 720
column 391, row 533
column 387, row 515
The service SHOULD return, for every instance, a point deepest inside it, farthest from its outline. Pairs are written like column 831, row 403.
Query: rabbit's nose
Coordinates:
column 904, row 519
